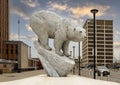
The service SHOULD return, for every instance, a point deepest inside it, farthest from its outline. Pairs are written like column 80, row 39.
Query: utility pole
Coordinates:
column 18, row 30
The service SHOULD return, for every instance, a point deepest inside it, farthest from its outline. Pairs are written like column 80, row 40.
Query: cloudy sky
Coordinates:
column 79, row 10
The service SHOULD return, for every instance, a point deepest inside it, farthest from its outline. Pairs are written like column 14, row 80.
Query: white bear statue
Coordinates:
column 48, row 24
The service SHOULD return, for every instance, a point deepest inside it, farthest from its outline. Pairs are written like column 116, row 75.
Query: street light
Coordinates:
column 79, row 58
column 73, row 52
column 74, row 59
column 94, row 11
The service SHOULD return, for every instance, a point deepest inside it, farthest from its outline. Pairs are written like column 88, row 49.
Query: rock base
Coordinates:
column 54, row 65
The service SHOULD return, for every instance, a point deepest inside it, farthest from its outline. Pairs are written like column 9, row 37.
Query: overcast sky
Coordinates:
column 79, row 10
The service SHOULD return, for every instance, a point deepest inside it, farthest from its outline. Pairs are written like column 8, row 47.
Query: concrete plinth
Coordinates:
column 70, row 80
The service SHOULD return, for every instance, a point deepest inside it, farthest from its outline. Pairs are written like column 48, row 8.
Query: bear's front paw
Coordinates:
column 59, row 53
column 67, row 54
column 48, row 48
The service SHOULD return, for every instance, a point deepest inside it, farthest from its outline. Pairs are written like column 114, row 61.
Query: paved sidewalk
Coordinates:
column 15, row 76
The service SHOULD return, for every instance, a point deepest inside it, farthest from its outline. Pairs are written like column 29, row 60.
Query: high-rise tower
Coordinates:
column 4, row 25
column 104, row 42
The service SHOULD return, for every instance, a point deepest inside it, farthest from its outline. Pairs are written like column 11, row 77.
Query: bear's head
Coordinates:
column 74, row 32
column 77, row 34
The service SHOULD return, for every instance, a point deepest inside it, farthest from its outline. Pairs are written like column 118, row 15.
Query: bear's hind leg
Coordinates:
column 58, row 44
column 44, row 41
column 65, row 48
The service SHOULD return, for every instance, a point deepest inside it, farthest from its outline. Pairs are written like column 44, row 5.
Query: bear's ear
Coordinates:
column 74, row 29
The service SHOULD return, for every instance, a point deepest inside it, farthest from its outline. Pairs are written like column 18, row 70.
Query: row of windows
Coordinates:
column 101, row 22
column 108, row 46
column 99, row 28
column 100, row 34
column 102, row 57
column 11, row 51
column 100, row 38
column 101, row 42
column 102, row 53
column 102, row 31
column 108, row 61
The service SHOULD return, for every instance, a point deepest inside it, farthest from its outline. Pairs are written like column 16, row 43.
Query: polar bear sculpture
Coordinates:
column 47, row 25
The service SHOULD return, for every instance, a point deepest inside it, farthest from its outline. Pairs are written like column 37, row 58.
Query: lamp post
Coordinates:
column 73, row 52
column 94, row 11
column 79, row 59
column 74, row 59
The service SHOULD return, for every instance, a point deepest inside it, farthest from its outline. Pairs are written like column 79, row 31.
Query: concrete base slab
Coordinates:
column 70, row 80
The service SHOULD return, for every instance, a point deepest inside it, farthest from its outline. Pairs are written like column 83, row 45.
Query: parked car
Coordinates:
column 102, row 70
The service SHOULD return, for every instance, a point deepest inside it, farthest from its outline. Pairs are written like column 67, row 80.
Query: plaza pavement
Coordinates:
column 15, row 76
column 115, row 75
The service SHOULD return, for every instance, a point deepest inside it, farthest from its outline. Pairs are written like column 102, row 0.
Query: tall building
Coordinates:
column 13, row 54
column 4, row 25
column 104, row 42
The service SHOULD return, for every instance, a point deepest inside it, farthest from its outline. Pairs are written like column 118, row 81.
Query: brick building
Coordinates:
column 4, row 25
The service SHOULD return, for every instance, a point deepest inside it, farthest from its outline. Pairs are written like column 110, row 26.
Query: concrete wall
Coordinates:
column 24, row 55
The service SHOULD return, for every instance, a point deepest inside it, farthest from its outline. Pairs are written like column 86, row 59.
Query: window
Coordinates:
column 100, row 57
column 100, row 42
column 16, row 51
column 108, row 57
column 109, row 49
column 108, row 22
column 100, row 53
column 11, row 46
column 100, row 34
column 109, row 38
column 6, row 51
column 90, row 26
column 109, row 61
column 109, row 53
column 108, row 31
column 100, row 49
column 100, row 22
column 108, row 35
column 90, row 53
column 108, row 42
column 100, row 45
column 109, row 46
column 4, row 65
column 100, row 31
column 98, row 38
column 90, row 42
column 11, row 51
column 100, row 60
